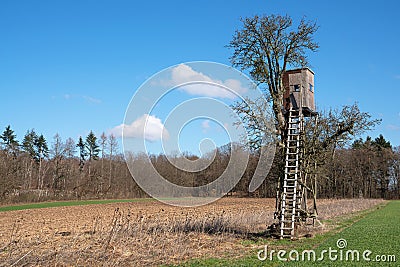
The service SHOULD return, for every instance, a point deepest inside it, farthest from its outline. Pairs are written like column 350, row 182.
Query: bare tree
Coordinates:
column 57, row 153
column 103, row 142
column 70, row 148
column 112, row 148
column 325, row 134
column 266, row 46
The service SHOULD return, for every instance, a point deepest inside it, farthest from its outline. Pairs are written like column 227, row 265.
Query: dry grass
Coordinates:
column 142, row 233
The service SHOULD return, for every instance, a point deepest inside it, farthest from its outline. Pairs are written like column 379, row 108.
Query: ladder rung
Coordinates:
column 288, row 216
column 291, row 166
column 289, row 192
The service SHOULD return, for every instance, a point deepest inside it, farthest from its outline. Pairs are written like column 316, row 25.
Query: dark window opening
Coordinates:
column 297, row 88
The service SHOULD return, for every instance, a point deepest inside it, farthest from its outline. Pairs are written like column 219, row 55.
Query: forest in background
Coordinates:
column 34, row 169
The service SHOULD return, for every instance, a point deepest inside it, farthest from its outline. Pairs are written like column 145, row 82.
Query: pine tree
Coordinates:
column 36, row 147
column 41, row 148
column 29, row 143
column 42, row 151
column 380, row 142
column 82, row 153
column 92, row 146
column 9, row 140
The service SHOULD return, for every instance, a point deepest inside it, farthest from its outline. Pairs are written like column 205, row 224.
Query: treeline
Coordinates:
column 34, row 169
column 370, row 168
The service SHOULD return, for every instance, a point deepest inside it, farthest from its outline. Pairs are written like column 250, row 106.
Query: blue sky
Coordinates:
column 69, row 67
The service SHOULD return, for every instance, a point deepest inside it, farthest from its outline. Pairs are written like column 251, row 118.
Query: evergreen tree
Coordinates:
column 380, row 142
column 357, row 144
column 9, row 140
column 29, row 143
column 92, row 147
column 42, row 151
column 41, row 148
column 82, row 153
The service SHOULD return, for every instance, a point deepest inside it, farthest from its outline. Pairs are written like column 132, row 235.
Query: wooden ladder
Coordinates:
column 292, row 193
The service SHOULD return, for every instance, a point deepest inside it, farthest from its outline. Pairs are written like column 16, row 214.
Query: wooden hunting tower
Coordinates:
column 298, row 103
column 299, row 86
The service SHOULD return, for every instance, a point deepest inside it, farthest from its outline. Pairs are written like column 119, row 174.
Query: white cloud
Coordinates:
column 393, row 127
column 205, row 125
column 185, row 74
column 92, row 99
column 147, row 126
column 85, row 97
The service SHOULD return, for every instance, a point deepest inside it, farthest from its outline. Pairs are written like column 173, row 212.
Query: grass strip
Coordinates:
column 52, row 204
column 382, row 217
column 371, row 241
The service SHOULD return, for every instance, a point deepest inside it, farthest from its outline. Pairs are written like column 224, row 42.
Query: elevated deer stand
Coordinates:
column 292, row 191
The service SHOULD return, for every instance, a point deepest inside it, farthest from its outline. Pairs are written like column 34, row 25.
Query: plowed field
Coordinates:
column 142, row 233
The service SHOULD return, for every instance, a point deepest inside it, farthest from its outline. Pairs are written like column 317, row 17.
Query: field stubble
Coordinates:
column 142, row 233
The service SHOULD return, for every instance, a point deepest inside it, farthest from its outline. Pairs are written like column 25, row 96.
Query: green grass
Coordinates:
column 377, row 230
column 52, row 204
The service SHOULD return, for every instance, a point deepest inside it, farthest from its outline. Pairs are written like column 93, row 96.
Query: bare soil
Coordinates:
column 146, row 233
